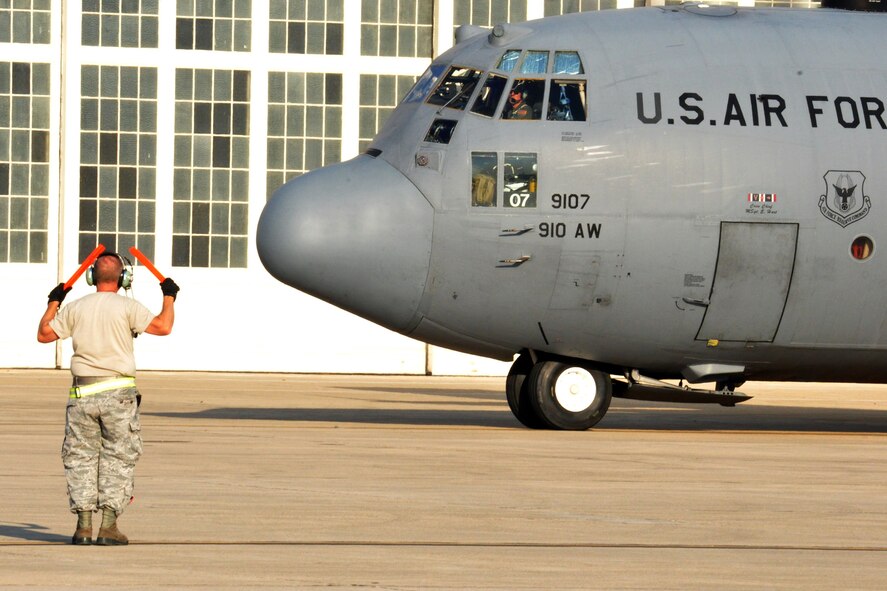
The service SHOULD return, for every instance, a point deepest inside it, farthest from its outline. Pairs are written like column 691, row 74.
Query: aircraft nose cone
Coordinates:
column 355, row 234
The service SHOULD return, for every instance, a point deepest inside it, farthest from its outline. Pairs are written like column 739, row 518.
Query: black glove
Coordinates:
column 169, row 288
column 58, row 293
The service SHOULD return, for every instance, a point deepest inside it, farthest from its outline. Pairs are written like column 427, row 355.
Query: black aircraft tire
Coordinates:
column 569, row 397
column 518, row 395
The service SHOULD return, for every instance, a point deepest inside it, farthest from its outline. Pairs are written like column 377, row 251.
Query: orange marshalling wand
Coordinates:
column 85, row 265
column 148, row 264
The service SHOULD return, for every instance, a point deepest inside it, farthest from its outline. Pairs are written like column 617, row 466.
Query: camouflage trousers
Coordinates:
column 103, row 441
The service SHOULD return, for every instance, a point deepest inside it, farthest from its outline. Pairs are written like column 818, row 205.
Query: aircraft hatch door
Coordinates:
column 575, row 282
column 752, row 280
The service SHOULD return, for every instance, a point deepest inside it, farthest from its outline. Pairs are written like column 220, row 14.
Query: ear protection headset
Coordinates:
column 125, row 278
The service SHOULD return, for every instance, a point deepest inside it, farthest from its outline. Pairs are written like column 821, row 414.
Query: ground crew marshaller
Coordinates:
column 102, row 431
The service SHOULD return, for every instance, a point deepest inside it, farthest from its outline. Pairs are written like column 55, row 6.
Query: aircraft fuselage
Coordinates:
column 695, row 194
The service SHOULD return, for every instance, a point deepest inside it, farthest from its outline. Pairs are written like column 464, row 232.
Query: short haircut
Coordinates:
column 107, row 268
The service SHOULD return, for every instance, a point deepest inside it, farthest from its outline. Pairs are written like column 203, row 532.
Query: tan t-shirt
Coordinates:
column 102, row 325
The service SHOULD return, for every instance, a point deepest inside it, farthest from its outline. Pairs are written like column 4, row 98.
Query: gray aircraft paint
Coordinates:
column 712, row 236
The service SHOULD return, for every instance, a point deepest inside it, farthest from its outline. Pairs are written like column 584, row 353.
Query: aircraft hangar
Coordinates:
column 167, row 126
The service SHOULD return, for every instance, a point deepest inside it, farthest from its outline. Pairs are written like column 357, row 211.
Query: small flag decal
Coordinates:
column 762, row 197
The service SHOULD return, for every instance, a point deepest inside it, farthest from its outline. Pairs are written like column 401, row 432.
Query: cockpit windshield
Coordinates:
column 456, row 88
column 488, row 98
column 525, row 99
column 524, row 85
column 546, row 85
column 424, row 84
column 535, row 62
column 567, row 62
column 566, row 100
column 509, row 60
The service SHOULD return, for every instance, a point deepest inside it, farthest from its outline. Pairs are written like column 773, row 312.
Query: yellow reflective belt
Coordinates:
column 89, row 390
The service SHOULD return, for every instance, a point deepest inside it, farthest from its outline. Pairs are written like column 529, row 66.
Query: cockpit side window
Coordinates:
column 525, row 99
column 455, row 89
column 483, row 179
column 488, row 98
column 508, row 60
column 566, row 100
column 519, row 178
column 441, row 131
column 535, row 62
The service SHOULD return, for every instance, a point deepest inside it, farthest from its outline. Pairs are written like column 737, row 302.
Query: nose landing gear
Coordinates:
column 517, row 393
column 557, row 395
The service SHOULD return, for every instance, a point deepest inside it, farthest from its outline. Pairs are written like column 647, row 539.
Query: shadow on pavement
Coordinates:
column 623, row 415
column 373, row 416
column 31, row 532
column 639, row 415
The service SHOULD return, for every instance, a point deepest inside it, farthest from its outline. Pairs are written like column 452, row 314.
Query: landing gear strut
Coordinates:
column 556, row 394
column 728, row 387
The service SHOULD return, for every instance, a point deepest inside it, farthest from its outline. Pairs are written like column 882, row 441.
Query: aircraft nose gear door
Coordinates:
column 751, row 284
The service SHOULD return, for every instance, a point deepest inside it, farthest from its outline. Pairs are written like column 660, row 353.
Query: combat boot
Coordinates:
column 83, row 535
column 111, row 536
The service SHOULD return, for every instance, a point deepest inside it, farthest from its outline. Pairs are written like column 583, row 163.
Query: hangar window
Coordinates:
column 118, row 24
column 210, row 209
column 455, row 89
column 26, row 22
column 304, row 124
column 525, row 100
column 211, row 25
column 566, row 100
column 379, row 95
column 483, row 179
column 486, row 13
column 488, row 98
column 25, row 161
column 317, row 29
column 392, row 28
column 519, row 180
column 118, row 147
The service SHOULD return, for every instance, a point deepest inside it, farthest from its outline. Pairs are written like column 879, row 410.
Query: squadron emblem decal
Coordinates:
column 844, row 201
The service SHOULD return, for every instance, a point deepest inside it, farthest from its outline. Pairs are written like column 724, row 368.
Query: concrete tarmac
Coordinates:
column 275, row 481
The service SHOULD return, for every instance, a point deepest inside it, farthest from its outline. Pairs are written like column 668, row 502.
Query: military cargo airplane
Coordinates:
column 623, row 199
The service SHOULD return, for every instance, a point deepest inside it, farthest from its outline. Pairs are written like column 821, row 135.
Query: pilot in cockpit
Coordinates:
column 517, row 107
